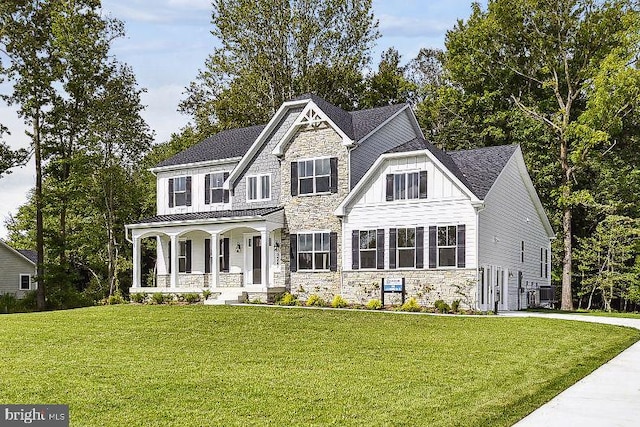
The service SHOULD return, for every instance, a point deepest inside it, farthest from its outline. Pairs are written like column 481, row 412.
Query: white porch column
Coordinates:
column 136, row 263
column 265, row 258
column 215, row 260
column 175, row 252
column 162, row 246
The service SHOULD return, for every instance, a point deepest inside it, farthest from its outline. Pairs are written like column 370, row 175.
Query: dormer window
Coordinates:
column 406, row 186
column 180, row 191
column 314, row 176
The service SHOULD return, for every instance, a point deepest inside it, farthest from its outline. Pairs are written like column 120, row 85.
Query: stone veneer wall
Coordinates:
column 230, row 280
column 313, row 212
column 426, row 286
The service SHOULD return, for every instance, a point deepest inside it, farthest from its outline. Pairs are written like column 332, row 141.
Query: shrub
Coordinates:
column 29, row 301
column 8, row 303
column 158, row 298
column 374, row 304
column 411, row 305
column 315, row 301
column 442, row 306
column 116, row 298
column 455, row 306
column 191, row 298
column 255, row 301
column 287, row 299
column 338, row 302
column 137, row 298
column 206, row 294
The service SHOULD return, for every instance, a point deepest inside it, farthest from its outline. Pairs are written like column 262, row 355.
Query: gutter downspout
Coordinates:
column 478, row 208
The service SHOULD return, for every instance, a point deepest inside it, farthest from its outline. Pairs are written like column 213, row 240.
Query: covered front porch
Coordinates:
column 232, row 252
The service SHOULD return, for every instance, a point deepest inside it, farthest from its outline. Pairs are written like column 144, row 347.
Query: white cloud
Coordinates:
column 161, row 112
column 14, row 189
column 191, row 4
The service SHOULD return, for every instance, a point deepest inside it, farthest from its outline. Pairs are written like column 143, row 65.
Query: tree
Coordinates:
column 389, row 85
column 551, row 61
column 273, row 50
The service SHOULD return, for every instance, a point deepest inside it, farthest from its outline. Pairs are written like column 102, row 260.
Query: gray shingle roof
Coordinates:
column 364, row 121
column 341, row 118
column 223, row 145
column 238, row 213
column 477, row 169
column 29, row 254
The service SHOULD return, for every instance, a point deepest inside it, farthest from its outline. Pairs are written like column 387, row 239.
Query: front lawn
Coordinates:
column 598, row 313
column 202, row 365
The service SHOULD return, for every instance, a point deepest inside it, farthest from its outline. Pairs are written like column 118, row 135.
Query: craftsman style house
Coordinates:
column 327, row 202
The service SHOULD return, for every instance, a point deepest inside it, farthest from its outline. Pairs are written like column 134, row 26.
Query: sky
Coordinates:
column 167, row 42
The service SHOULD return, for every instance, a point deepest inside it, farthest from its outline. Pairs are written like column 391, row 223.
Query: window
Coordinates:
column 447, row 246
column 216, row 194
column 546, row 263
column 259, row 188
column 313, row 251
column 368, row 249
column 522, row 251
column 223, row 257
column 314, row 176
column 543, row 263
column 25, row 282
column 180, row 191
column 407, row 186
column 182, row 256
column 406, row 247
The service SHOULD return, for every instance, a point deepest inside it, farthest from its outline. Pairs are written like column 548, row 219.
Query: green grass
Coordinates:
column 589, row 313
column 200, row 365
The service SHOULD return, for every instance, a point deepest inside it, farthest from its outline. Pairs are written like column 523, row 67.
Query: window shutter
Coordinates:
column 333, row 251
column 380, row 249
column 423, row 184
column 294, row 180
column 389, row 187
column 169, row 266
column 461, row 246
column 355, row 249
column 188, row 266
column 188, row 191
column 225, row 193
column 225, row 254
column 207, row 189
column 392, row 247
column 333, row 162
column 433, row 256
column 293, row 253
column 207, row 256
column 419, row 247
column 170, row 192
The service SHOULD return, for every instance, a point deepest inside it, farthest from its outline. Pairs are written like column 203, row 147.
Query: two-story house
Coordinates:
column 327, row 202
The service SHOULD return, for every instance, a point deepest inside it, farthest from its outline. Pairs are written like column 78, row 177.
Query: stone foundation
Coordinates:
column 230, row 280
column 326, row 284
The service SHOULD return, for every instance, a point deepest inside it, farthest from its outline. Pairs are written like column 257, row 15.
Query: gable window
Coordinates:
column 314, row 176
column 25, row 282
column 180, row 191
column 406, row 186
column 213, row 191
column 313, row 251
column 259, row 188
column 406, row 246
column 447, row 246
column 368, row 246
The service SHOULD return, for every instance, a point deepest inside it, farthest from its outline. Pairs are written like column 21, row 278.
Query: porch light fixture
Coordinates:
column 238, row 248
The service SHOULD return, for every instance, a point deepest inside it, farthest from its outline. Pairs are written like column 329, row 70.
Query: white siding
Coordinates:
column 510, row 217
column 446, row 204
column 398, row 131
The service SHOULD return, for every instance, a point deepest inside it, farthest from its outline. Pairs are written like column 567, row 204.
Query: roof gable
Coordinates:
column 27, row 255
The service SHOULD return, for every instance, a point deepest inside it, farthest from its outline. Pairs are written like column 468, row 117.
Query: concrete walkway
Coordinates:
column 610, row 396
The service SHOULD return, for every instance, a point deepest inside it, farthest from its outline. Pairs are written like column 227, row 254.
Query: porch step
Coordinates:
column 226, row 297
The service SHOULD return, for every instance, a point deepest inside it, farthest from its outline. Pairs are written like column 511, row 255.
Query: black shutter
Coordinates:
column 380, row 249
column 333, row 162
column 333, row 251
column 207, row 256
column 294, row 180
column 207, row 189
column 461, row 246
column 225, row 255
column 188, row 266
column 355, row 249
column 188, row 191
column 170, row 192
column 169, row 269
column 389, row 187
column 225, row 193
column 392, row 247
column 433, row 235
column 419, row 247
column 423, row 184
column 293, row 253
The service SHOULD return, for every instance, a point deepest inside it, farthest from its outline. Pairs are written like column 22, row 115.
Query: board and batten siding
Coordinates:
column 445, row 204
column 394, row 133
column 510, row 217
column 197, row 175
column 12, row 265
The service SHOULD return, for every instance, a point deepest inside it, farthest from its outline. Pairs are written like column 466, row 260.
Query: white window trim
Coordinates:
column 375, row 267
column 455, row 252
column 314, row 193
column 405, row 248
column 211, row 187
column 298, row 251
column 258, row 187
column 406, row 174
column 20, row 282
column 175, row 193
column 180, row 241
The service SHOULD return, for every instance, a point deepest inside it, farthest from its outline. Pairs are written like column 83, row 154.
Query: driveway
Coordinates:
column 609, row 396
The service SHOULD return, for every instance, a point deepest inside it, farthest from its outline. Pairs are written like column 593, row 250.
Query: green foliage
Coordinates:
column 339, row 302
column 191, row 298
column 374, row 304
column 455, row 306
column 8, row 303
column 411, row 305
column 287, row 299
column 159, row 298
column 138, row 298
column 116, row 298
column 206, row 294
column 442, row 306
column 314, row 301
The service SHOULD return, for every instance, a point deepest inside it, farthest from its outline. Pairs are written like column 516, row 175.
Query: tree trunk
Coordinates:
column 567, row 300
column 41, row 292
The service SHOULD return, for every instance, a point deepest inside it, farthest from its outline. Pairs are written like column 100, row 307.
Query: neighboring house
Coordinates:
column 327, row 202
column 17, row 269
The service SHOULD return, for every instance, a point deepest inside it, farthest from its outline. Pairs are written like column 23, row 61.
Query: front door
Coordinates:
column 257, row 260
